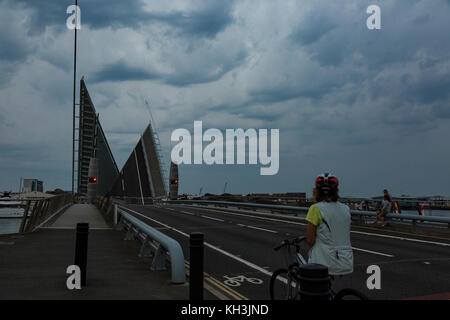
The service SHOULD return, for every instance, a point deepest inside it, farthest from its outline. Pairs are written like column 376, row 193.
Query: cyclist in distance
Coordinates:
column 328, row 230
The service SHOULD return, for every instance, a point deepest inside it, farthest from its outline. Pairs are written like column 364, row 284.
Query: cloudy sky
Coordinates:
column 371, row 106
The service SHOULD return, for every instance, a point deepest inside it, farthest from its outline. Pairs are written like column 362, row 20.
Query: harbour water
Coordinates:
column 10, row 219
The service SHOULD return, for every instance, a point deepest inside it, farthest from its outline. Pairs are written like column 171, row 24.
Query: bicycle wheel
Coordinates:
column 280, row 286
column 350, row 294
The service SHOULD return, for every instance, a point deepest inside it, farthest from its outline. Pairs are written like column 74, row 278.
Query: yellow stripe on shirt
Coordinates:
column 314, row 216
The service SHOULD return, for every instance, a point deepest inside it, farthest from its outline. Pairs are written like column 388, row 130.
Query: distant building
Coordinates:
column 30, row 185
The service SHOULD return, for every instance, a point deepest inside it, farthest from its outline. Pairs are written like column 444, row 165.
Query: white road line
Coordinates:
column 192, row 214
column 248, row 263
column 213, row 218
column 256, row 228
column 241, row 225
column 251, row 216
column 402, row 238
column 357, row 232
column 232, row 256
column 373, row 252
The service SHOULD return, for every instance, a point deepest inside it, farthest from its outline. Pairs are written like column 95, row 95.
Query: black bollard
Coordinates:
column 196, row 266
column 81, row 247
column 315, row 282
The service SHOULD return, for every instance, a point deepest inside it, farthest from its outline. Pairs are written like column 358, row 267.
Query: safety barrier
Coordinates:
column 108, row 208
column 148, row 235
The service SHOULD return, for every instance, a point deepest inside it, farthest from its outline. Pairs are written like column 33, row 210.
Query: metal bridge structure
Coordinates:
column 141, row 177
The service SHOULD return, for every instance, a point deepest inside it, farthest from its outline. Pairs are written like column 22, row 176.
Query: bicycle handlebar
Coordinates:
column 287, row 242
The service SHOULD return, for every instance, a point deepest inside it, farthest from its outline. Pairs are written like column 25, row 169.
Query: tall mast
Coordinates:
column 74, row 94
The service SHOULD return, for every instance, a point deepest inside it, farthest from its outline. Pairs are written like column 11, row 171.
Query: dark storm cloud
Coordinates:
column 210, row 71
column 283, row 92
column 12, row 49
column 205, row 21
column 313, row 28
column 431, row 88
column 120, row 71
column 309, row 68
column 333, row 39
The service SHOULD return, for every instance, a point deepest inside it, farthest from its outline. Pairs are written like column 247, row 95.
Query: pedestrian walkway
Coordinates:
column 33, row 266
column 81, row 213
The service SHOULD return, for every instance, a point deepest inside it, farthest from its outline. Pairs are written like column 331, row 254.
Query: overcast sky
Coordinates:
column 371, row 106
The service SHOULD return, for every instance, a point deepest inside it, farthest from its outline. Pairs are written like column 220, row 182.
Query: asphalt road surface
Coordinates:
column 239, row 255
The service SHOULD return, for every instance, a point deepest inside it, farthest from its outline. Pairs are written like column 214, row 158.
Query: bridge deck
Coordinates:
column 239, row 254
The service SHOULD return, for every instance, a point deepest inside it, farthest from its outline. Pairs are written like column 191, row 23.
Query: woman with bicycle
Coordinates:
column 328, row 230
column 328, row 236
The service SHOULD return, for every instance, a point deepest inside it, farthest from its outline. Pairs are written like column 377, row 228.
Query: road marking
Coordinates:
column 230, row 255
column 353, row 231
column 373, row 252
column 192, row 214
column 215, row 292
column 213, row 218
column 214, row 282
column 251, row 216
column 225, row 288
column 402, row 238
column 237, row 280
column 399, row 232
column 256, row 228
column 267, row 230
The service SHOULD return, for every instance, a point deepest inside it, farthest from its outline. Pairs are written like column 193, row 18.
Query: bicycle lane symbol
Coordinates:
column 238, row 280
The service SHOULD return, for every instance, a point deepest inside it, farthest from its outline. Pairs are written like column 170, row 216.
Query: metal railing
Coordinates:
column 156, row 244
column 43, row 211
column 303, row 210
column 107, row 208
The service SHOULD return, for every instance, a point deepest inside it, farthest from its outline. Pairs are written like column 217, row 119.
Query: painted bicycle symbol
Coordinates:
column 236, row 281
